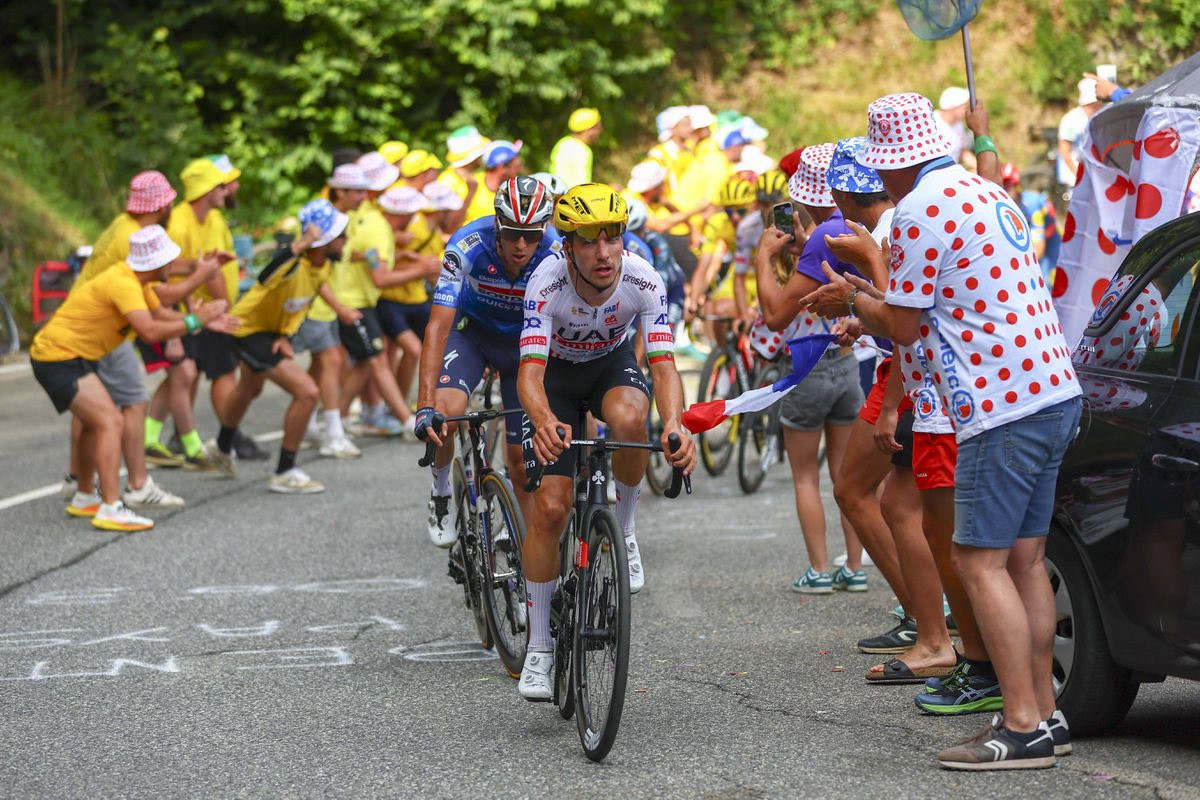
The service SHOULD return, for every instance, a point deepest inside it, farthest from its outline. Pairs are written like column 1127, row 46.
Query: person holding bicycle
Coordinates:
column 475, row 323
column 576, row 353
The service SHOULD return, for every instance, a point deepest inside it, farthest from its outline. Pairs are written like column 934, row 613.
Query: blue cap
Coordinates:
column 328, row 220
column 846, row 175
column 500, row 152
column 731, row 138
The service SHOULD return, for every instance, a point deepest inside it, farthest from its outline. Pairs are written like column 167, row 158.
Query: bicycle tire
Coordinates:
column 468, row 552
column 716, row 445
column 10, row 335
column 504, row 599
column 757, row 431
column 564, row 636
column 658, row 469
column 600, row 657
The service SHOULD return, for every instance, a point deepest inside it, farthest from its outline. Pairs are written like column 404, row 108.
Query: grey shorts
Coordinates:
column 315, row 336
column 831, row 394
column 121, row 373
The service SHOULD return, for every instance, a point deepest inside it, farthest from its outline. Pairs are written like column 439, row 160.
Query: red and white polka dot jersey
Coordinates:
column 962, row 251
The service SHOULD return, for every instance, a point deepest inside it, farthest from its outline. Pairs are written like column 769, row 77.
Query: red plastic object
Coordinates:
column 51, row 283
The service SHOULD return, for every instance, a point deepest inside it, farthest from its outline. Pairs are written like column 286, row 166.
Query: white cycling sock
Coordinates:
column 333, row 424
column 313, row 430
column 627, row 500
column 539, row 615
column 441, row 480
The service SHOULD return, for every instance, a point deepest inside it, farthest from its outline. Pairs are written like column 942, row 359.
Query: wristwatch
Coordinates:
column 850, row 298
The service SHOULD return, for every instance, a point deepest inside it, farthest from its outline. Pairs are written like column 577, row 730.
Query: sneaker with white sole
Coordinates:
column 116, row 517
column 295, row 481
column 226, row 462
column 340, row 448
column 847, row 581
column 84, row 505
column 813, row 582
column 536, row 683
column 1002, row 748
column 637, row 576
column 151, row 495
column 442, row 531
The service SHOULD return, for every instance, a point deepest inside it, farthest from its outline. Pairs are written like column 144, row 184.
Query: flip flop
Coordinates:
column 897, row 672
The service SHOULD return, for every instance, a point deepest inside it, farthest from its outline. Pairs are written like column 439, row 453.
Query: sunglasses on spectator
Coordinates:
column 740, row 211
column 590, row 233
column 528, row 234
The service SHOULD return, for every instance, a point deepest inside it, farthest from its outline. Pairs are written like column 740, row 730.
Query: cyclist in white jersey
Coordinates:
column 576, row 349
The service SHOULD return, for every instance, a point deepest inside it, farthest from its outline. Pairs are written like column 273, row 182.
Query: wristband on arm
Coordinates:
column 191, row 322
column 984, row 144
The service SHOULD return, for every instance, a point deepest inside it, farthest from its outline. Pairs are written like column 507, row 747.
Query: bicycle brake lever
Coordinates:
column 431, row 448
column 678, row 479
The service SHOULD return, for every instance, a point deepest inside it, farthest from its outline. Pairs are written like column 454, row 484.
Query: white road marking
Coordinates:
column 53, row 488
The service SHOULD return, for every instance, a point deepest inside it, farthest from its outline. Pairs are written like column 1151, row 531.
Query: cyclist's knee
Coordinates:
column 550, row 511
column 627, row 419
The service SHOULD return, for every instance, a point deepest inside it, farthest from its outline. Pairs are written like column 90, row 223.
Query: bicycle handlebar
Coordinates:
column 678, row 479
column 431, row 448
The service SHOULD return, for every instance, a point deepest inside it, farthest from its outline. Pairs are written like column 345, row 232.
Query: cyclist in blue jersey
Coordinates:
column 658, row 254
column 475, row 323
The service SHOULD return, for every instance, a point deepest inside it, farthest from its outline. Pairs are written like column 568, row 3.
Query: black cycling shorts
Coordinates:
column 571, row 385
column 212, row 352
column 60, row 379
column 255, row 351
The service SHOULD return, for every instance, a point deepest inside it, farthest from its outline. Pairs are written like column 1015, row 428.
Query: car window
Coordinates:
column 1142, row 320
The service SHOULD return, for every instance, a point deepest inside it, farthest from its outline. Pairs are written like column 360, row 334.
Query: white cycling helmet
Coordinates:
column 523, row 202
column 637, row 214
column 555, row 184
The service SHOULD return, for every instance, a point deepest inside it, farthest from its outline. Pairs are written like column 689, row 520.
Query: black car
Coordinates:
column 1124, row 550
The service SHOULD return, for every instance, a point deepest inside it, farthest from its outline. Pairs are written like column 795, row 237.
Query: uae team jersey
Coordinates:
column 961, row 250
column 560, row 323
column 474, row 282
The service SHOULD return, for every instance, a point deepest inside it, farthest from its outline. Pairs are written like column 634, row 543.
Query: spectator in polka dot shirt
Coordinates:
column 967, row 290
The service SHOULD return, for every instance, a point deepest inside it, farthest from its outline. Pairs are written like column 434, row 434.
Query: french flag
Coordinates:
column 806, row 352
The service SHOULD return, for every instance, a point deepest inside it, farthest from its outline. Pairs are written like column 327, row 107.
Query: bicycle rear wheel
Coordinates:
column 716, row 381
column 469, row 554
column 600, row 661
column 503, row 581
column 758, row 440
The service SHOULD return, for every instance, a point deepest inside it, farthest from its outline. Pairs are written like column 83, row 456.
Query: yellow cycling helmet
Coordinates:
column 589, row 208
column 771, row 186
column 735, row 193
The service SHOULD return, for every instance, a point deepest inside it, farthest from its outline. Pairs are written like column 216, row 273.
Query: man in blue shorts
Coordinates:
column 475, row 323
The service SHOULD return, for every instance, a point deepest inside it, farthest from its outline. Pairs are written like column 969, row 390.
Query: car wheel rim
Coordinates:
column 1064, row 628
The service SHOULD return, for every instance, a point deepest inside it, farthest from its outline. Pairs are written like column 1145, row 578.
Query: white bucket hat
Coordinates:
column 807, row 184
column 349, row 176
column 901, row 132
column 380, row 172
column 441, row 197
column 646, row 175
column 403, row 200
column 151, row 248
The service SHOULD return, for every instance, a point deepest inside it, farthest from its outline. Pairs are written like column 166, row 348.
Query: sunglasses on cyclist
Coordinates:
column 530, row 235
column 590, row 233
column 738, row 212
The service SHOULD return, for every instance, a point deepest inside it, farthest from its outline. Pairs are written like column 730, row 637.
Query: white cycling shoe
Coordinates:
column 536, row 682
column 637, row 576
column 441, row 527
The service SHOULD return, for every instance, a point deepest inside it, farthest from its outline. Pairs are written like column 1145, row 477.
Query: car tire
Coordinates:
column 1094, row 692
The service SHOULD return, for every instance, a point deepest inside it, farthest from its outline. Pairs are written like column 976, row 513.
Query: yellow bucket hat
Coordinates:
column 583, row 118
column 393, row 151
column 200, row 177
column 417, row 161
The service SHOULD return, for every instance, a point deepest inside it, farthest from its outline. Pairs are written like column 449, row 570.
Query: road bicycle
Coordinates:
column 589, row 611
column 486, row 557
column 759, row 434
column 658, row 468
column 726, row 373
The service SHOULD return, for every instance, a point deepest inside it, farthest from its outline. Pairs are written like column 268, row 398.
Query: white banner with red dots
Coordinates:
column 1110, row 210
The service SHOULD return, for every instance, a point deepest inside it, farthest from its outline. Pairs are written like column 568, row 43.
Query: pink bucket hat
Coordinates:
column 149, row 191
column 807, row 184
column 901, row 132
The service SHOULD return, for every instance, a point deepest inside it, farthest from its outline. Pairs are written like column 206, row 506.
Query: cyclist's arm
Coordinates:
column 433, row 349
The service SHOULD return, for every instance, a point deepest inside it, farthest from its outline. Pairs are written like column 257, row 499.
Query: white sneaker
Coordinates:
column 536, row 683
column 227, row 462
column 117, row 517
column 84, row 505
column 151, row 495
column 295, row 481
column 340, row 448
column 866, row 560
column 637, row 578
column 313, row 439
column 442, row 531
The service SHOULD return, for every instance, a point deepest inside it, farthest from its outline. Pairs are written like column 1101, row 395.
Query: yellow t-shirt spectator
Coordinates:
column 675, row 158
column 91, row 323
column 703, row 180
column 483, row 204
column 370, row 245
column 111, row 248
column 195, row 238
column 571, row 160
column 280, row 304
column 426, row 242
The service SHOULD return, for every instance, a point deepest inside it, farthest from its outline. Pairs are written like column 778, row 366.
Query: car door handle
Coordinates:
column 1174, row 463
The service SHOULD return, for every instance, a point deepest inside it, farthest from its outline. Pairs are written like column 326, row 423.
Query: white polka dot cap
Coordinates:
column 151, row 248
column 901, row 132
column 807, row 184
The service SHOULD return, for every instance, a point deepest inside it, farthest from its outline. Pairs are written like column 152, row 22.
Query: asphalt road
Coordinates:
column 263, row 645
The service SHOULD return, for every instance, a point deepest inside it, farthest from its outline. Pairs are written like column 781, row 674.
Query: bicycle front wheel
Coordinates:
column 758, row 440
column 717, row 380
column 469, row 554
column 600, row 662
column 503, row 580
